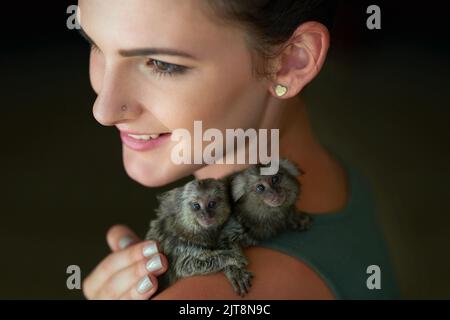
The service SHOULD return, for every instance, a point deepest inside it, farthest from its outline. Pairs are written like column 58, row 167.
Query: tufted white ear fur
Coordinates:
column 169, row 194
column 290, row 167
column 237, row 187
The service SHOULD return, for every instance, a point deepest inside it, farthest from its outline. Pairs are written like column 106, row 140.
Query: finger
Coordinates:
column 115, row 262
column 120, row 237
column 121, row 282
column 142, row 289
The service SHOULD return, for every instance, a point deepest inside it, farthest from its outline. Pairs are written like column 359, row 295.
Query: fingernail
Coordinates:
column 144, row 285
column 154, row 264
column 125, row 242
column 150, row 249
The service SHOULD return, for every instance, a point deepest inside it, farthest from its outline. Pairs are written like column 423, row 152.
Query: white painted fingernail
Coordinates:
column 144, row 285
column 154, row 264
column 125, row 242
column 150, row 249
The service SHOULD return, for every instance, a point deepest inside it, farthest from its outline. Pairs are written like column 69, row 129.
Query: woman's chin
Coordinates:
column 146, row 181
column 154, row 172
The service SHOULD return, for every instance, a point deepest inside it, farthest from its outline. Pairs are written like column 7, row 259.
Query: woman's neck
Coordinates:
column 324, row 182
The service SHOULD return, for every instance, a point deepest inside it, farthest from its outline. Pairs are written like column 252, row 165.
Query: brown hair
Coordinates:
column 270, row 23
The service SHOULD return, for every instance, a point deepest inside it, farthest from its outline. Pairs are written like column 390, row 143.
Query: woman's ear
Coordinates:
column 301, row 59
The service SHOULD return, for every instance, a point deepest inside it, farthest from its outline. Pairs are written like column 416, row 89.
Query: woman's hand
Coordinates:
column 129, row 272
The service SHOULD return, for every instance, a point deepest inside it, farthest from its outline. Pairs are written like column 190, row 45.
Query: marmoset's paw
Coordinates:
column 233, row 258
column 241, row 279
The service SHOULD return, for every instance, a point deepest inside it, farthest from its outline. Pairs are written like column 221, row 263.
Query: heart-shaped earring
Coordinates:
column 281, row 90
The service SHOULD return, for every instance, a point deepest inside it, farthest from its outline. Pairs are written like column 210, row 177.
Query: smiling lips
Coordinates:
column 144, row 137
column 143, row 142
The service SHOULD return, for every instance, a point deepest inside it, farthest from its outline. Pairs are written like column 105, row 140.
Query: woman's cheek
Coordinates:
column 200, row 103
column 203, row 96
column 213, row 113
column 180, row 109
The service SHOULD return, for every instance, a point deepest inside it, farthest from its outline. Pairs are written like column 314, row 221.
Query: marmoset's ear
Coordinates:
column 238, row 187
column 166, row 195
column 290, row 168
column 169, row 201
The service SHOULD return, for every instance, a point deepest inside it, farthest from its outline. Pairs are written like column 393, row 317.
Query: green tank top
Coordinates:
column 340, row 246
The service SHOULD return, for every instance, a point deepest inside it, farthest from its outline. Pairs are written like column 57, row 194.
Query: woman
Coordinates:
column 160, row 65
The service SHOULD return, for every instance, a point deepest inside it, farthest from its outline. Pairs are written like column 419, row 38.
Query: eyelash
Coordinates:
column 94, row 48
column 178, row 69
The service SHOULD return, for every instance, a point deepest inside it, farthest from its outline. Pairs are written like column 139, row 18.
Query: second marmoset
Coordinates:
column 264, row 205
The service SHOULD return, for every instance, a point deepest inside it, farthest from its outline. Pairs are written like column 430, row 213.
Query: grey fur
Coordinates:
column 253, row 219
column 192, row 248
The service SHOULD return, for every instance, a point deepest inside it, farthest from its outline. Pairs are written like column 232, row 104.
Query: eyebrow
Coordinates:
column 141, row 51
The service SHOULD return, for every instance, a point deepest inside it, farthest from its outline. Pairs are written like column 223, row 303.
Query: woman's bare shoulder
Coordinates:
column 277, row 276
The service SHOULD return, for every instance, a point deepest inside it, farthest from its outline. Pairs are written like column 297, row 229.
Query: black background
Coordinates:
column 381, row 101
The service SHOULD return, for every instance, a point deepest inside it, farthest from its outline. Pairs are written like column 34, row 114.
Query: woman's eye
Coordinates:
column 260, row 188
column 195, row 206
column 212, row 204
column 164, row 68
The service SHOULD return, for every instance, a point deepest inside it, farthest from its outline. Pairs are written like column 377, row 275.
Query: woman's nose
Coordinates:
column 115, row 103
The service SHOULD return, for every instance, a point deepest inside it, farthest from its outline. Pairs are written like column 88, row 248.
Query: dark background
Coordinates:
column 381, row 102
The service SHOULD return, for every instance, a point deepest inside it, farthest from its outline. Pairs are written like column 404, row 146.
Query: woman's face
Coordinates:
column 206, row 75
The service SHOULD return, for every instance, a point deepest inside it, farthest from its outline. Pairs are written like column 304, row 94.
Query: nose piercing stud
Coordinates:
column 124, row 107
column 281, row 90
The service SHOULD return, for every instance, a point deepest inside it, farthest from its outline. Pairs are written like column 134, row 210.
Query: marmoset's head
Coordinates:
column 278, row 190
column 205, row 203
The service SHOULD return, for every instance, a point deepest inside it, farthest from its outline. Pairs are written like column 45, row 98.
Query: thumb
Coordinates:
column 120, row 236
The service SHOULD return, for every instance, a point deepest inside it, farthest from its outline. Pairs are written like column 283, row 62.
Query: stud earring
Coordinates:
column 281, row 90
column 124, row 107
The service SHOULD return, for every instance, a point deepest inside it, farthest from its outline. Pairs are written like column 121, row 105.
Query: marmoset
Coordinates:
column 264, row 205
column 188, row 225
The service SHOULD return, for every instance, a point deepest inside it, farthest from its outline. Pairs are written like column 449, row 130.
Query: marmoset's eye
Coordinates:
column 195, row 206
column 212, row 204
column 275, row 179
column 260, row 188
